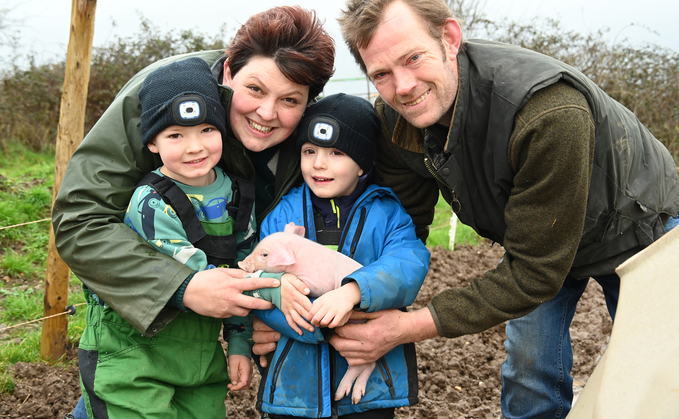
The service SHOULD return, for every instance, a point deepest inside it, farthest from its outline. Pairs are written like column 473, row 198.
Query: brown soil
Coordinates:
column 459, row 378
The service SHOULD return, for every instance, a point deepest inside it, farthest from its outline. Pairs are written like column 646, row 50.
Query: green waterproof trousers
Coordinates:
column 179, row 373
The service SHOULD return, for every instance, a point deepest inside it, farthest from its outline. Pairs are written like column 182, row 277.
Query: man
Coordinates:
column 532, row 155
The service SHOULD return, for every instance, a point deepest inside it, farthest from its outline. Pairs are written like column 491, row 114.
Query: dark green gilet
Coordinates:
column 634, row 185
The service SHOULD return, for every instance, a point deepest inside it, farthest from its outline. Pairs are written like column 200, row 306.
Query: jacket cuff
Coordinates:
column 177, row 299
column 237, row 332
column 273, row 295
column 239, row 345
column 357, row 307
column 437, row 322
column 326, row 332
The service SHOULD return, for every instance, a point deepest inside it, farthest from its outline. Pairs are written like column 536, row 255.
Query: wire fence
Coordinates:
column 70, row 310
column 24, row 224
column 356, row 86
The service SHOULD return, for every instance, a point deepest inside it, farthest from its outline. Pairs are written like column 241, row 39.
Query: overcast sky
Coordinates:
column 44, row 24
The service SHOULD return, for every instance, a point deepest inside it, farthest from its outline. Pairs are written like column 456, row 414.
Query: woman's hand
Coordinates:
column 218, row 293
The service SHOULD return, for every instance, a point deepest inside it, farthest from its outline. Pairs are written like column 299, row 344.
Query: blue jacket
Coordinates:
column 305, row 370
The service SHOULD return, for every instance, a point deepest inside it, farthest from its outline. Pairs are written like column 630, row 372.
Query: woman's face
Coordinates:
column 266, row 106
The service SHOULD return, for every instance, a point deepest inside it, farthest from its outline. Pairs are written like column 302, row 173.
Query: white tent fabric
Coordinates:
column 638, row 376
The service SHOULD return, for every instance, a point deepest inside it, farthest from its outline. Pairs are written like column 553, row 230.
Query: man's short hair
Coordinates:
column 360, row 19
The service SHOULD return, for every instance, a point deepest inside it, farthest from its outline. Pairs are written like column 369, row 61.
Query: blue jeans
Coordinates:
column 80, row 412
column 536, row 376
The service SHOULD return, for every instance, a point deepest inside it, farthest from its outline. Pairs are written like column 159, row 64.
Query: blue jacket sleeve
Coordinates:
column 275, row 319
column 394, row 279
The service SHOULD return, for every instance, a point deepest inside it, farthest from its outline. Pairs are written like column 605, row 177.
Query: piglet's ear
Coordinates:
column 294, row 229
column 281, row 255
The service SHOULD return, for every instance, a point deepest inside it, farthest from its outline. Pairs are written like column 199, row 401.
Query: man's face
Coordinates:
column 410, row 69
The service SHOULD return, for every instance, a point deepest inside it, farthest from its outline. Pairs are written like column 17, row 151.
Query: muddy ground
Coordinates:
column 459, row 378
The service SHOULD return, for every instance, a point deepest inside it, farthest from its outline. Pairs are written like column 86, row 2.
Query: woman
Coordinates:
column 278, row 62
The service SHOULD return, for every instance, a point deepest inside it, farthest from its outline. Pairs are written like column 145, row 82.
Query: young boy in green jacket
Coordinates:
column 186, row 209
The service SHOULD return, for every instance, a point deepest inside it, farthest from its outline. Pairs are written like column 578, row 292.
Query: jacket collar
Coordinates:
column 461, row 105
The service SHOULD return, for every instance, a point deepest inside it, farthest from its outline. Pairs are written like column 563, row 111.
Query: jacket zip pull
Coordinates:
column 456, row 206
column 386, row 376
column 279, row 365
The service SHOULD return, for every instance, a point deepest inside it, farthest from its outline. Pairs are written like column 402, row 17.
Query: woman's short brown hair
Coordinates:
column 360, row 20
column 294, row 38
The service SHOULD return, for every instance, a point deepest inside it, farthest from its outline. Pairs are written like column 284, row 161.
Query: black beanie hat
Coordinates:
column 180, row 93
column 345, row 122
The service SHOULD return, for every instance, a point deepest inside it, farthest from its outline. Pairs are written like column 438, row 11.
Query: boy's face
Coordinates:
column 189, row 153
column 329, row 172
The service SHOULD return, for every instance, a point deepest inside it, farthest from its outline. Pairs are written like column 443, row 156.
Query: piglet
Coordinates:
column 321, row 269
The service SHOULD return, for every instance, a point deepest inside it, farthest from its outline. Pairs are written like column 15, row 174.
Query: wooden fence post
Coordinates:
column 69, row 135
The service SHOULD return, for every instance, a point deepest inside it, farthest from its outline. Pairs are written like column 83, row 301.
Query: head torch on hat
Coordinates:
column 189, row 110
column 180, row 93
column 344, row 122
column 323, row 131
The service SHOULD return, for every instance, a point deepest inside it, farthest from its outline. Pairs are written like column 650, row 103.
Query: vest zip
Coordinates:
column 430, row 167
column 279, row 365
column 386, row 376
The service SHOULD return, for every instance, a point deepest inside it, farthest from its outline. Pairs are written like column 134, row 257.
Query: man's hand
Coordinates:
column 265, row 339
column 295, row 304
column 218, row 293
column 382, row 332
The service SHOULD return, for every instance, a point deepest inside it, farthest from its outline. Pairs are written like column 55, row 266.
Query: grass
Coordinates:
column 26, row 180
column 22, row 304
column 439, row 231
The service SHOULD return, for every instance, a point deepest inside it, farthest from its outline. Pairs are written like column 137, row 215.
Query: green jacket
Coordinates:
column 111, row 259
column 540, row 160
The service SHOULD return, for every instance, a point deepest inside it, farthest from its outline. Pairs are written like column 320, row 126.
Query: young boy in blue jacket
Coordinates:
column 340, row 205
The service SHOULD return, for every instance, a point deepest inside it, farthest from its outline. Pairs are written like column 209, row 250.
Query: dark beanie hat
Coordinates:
column 180, row 93
column 345, row 122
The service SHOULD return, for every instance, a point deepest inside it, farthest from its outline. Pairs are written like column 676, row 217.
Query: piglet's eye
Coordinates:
column 265, row 255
